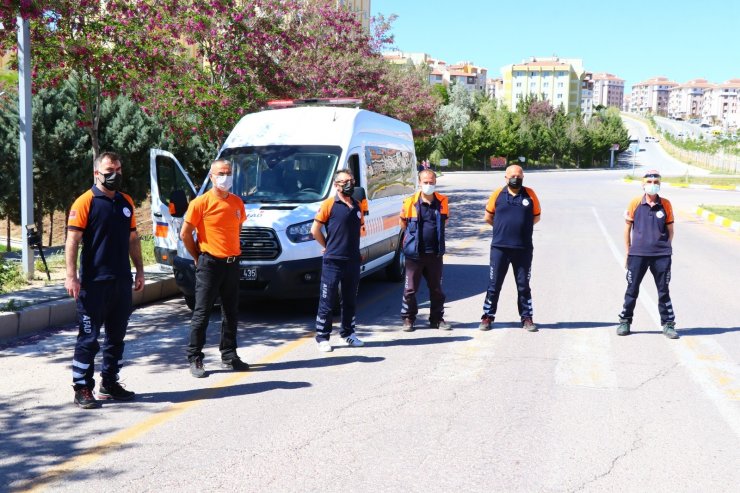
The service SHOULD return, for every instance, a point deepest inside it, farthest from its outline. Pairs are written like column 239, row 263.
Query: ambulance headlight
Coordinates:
column 298, row 233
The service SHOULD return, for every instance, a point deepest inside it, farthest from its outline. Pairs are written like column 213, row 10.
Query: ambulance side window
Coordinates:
column 353, row 163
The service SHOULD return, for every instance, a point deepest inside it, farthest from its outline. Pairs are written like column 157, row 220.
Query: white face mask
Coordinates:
column 223, row 182
column 651, row 188
column 427, row 189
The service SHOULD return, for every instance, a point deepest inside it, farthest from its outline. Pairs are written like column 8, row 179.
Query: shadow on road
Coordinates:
column 215, row 393
column 315, row 363
column 420, row 341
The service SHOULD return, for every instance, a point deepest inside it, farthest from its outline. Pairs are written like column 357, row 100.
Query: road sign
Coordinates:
column 444, row 162
column 615, row 147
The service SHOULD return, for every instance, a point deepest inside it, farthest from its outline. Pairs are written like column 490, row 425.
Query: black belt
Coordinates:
column 228, row 260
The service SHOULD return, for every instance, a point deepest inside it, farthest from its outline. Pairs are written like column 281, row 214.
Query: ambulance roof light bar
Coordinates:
column 294, row 103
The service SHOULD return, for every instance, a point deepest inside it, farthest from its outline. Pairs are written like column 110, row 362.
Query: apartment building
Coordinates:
column 626, row 102
column 687, row 100
column 651, row 96
column 468, row 75
column 557, row 80
column 587, row 96
column 721, row 104
column 608, row 90
column 494, row 87
column 360, row 7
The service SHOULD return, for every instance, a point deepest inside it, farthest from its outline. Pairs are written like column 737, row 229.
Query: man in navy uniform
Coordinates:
column 512, row 211
column 648, row 234
column 343, row 218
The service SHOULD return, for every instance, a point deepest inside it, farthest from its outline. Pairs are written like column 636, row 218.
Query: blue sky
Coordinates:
column 634, row 40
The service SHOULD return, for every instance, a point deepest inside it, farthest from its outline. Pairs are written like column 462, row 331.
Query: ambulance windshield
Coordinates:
column 282, row 173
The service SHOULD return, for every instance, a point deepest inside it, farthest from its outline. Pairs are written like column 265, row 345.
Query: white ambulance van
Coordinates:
column 284, row 160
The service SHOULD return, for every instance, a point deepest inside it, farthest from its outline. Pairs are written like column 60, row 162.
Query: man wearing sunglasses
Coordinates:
column 647, row 236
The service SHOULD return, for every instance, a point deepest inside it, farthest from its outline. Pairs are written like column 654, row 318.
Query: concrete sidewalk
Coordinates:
column 35, row 309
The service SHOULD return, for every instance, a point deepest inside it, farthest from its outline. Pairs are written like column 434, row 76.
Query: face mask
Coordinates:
column 515, row 182
column 427, row 189
column 348, row 188
column 112, row 181
column 651, row 188
column 223, row 183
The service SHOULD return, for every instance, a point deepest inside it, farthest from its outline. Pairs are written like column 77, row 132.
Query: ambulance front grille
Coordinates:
column 259, row 244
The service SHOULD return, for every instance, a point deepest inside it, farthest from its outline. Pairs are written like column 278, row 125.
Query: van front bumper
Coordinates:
column 294, row 279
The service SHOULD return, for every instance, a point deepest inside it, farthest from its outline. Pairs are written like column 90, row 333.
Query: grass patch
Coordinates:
column 147, row 250
column 703, row 180
column 731, row 212
column 12, row 277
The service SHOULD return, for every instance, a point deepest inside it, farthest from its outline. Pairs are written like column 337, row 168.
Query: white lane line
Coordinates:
column 708, row 363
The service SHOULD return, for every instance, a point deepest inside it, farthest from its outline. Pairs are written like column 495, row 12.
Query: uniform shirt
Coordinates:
column 218, row 223
column 106, row 226
column 513, row 217
column 343, row 225
column 649, row 227
column 428, row 241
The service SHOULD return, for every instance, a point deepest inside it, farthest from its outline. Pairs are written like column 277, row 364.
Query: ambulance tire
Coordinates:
column 396, row 270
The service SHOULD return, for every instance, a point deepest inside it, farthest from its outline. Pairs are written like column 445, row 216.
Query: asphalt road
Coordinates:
column 572, row 407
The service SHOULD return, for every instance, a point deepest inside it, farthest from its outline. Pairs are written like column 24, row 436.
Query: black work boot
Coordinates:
column 84, row 397
column 669, row 330
column 624, row 327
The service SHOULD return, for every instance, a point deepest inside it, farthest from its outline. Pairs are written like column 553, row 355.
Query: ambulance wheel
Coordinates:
column 396, row 271
column 190, row 301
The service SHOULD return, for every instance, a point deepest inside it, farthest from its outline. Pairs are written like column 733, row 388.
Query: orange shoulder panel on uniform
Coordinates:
column 668, row 210
column 630, row 212
column 133, row 216
column 491, row 205
column 79, row 211
column 322, row 215
column 536, row 209
column 443, row 204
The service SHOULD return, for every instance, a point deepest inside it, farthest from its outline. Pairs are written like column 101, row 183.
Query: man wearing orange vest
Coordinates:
column 217, row 216
column 423, row 219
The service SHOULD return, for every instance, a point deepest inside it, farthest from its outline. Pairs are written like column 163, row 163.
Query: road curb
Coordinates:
column 725, row 188
column 720, row 221
column 57, row 312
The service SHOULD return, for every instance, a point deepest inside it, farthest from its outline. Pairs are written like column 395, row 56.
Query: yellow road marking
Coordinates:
column 129, row 434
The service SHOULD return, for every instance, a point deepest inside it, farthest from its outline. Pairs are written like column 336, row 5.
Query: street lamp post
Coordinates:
column 26, row 141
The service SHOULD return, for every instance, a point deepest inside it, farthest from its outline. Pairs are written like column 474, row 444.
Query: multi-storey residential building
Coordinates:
column 651, row 96
column 494, row 87
column 608, row 90
column 469, row 76
column 626, row 102
column 722, row 104
column 361, row 7
column 587, row 96
column 557, row 80
column 687, row 100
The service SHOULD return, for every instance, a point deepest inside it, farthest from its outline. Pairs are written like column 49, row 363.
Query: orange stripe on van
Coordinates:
column 390, row 221
column 161, row 230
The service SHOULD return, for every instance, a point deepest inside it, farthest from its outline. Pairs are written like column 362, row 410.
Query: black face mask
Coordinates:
column 348, row 188
column 515, row 183
column 112, row 181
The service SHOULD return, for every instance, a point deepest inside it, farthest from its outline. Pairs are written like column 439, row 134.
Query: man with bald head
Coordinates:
column 217, row 217
column 648, row 233
column 512, row 210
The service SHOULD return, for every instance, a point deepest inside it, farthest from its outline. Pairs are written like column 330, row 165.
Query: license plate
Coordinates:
column 249, row 274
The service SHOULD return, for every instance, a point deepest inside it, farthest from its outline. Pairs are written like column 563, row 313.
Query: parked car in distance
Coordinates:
column 705, row 125
column 695, row 120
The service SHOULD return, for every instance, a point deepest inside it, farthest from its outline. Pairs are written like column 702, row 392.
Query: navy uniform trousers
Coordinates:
column 337, row 274
column 101, row 303
column 521, row 261
column 660, row 268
